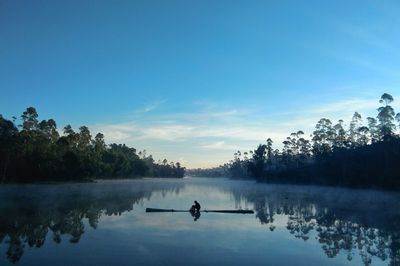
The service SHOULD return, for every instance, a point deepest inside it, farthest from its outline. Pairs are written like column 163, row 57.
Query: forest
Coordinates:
column 355, row 156
column 35, row 151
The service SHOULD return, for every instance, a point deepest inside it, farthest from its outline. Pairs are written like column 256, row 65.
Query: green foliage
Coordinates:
column 37, row 152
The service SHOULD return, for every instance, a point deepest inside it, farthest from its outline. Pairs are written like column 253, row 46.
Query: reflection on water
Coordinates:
column 357, row 225
column 29, row 213
column 340, row 219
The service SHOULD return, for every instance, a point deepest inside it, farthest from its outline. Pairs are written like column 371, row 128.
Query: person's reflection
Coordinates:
column 195, row 214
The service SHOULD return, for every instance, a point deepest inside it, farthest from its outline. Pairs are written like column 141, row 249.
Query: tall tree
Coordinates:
column 29, row 119
column 99, row 145
column 304, row 149
column 362, row 136
column 341, row 140
column 386, row 116
column 323, row 137
column 84, row 138
column 398, row 118
column 258, row 162
column 8, row 145
column 49, row 129
column 270, row 151
column 373, row 129
column 355, row 124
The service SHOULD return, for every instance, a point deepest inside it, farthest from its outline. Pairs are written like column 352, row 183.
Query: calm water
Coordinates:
column 106, row 224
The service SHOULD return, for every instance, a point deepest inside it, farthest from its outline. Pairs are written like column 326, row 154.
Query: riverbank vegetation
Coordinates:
column 35, row 151
column 219, row 171
column 360, row 155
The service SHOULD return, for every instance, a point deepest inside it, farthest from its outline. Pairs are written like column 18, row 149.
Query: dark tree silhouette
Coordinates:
column 361, row 156
column 36, row 152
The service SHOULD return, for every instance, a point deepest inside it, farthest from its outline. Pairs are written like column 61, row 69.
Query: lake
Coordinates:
column 105, row 223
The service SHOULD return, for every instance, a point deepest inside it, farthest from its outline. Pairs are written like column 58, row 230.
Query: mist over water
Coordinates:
column 105, row 223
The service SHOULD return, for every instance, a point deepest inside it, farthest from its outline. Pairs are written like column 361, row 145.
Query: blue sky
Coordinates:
column 196, row 80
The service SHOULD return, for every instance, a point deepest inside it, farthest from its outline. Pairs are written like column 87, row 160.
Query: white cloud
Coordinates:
column 220, row 145
column 175, row 132
column 181, row 132
column 192, row 135
column 347, row 105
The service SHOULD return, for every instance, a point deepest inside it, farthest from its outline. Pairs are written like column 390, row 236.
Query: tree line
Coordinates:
column 219, row 171
column 35, row 151
column 356, row 156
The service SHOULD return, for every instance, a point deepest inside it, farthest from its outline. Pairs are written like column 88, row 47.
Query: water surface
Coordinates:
column 105, row 223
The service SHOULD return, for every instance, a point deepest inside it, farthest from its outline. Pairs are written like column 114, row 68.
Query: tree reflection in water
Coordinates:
column 336, row 229
column 28, row 220
column 31, row 224
column 366, row 229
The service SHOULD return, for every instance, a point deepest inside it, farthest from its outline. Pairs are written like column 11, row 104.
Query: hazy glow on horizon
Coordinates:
column 196, row 81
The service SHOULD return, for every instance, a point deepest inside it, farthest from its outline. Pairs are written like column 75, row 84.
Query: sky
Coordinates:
column 194, row 81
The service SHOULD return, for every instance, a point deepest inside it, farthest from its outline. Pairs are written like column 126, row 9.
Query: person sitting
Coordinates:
column 195, row 210
column 195, row 207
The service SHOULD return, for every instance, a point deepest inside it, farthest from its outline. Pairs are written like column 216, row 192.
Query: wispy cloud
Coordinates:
column 225, row 131
column 175, row 132
column 347, row 105
column 230, row 124
column 150, row 106
column 220, row 145
column 181, row 131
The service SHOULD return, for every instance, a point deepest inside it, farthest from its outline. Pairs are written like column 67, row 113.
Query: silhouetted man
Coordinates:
column 196, row 206
column 195, row 210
